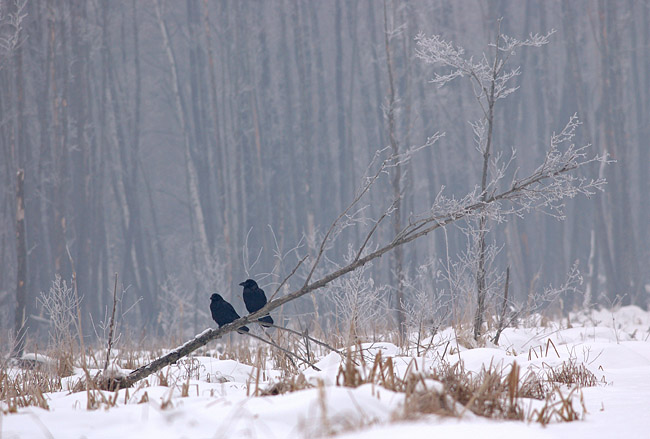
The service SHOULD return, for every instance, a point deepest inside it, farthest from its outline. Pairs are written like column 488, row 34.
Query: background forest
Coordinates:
column 188, row 145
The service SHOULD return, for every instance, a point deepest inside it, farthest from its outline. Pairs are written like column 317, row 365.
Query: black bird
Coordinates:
column 255, row 299
column 223, row 312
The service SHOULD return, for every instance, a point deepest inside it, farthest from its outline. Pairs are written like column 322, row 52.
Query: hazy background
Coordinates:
column 253, row 130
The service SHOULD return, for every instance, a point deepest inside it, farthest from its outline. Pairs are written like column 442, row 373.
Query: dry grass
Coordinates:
column 572, row 374
column 489, row 393
column 26, row 387
column 534, row 386
column 287, row 385
column 446, row 390
column 559, row 407
column 450, row 390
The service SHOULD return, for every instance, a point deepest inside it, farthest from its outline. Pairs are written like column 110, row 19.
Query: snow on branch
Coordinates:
column 12, row 15
column 534, row 40
column 435, row 50
column 552, row 182
column 439, row 52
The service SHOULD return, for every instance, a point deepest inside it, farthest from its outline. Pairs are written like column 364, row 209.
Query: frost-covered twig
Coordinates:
column 358, row 301
column 60, row 304
column 12, row 14
column 437, row 51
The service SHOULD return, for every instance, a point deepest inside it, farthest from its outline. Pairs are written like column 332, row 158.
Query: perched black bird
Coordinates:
column 255, row 299
column 223, row 312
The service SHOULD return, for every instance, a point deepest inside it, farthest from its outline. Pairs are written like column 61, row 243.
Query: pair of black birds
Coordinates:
column 254, row 298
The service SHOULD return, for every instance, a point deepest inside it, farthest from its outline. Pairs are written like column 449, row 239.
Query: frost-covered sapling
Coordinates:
column 492, row 80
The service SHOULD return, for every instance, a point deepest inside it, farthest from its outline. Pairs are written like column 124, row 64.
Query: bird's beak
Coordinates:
column 242, row 284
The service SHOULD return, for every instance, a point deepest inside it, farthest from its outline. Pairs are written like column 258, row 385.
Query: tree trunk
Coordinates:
column 398, row 255
column 190, row 169
column 20, row 321
column 21, row 148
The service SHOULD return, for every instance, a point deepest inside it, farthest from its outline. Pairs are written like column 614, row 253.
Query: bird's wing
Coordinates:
column 231, row 311
column 263, row 296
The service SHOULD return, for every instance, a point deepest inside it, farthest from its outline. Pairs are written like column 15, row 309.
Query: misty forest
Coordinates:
column 409, row 164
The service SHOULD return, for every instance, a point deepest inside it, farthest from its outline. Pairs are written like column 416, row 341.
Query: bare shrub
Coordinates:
column 425, row 307
column 359, row 302
column 61, row 304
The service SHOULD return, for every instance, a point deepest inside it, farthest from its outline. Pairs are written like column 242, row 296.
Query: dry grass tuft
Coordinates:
column 532, row 386
column 572, row 374
column 559, row 407
column 287, row 385
column 26, row 387
column 425, row 396
column 349, row 374
column 449, row 390
column 488, row 393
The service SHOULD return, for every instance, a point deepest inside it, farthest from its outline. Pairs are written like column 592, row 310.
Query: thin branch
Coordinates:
column 374, row 228
column 287, row 278
column 286, row 351
column 304, row 334
column 365, row 188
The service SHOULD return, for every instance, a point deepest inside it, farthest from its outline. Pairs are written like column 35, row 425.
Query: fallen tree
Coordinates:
column 544, row 188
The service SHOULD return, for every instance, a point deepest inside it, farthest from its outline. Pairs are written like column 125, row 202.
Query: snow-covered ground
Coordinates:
column 615, row 346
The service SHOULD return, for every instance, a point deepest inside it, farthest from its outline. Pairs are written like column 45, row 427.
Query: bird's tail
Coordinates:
column 266, row 321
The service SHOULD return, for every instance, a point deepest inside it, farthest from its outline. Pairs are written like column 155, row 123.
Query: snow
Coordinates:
column 612, row 345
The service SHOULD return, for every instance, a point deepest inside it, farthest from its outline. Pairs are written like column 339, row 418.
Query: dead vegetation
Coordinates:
column 571, row 374
column 287, row 385
column 450, row 390
column 544, row 395
column 26, row 387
